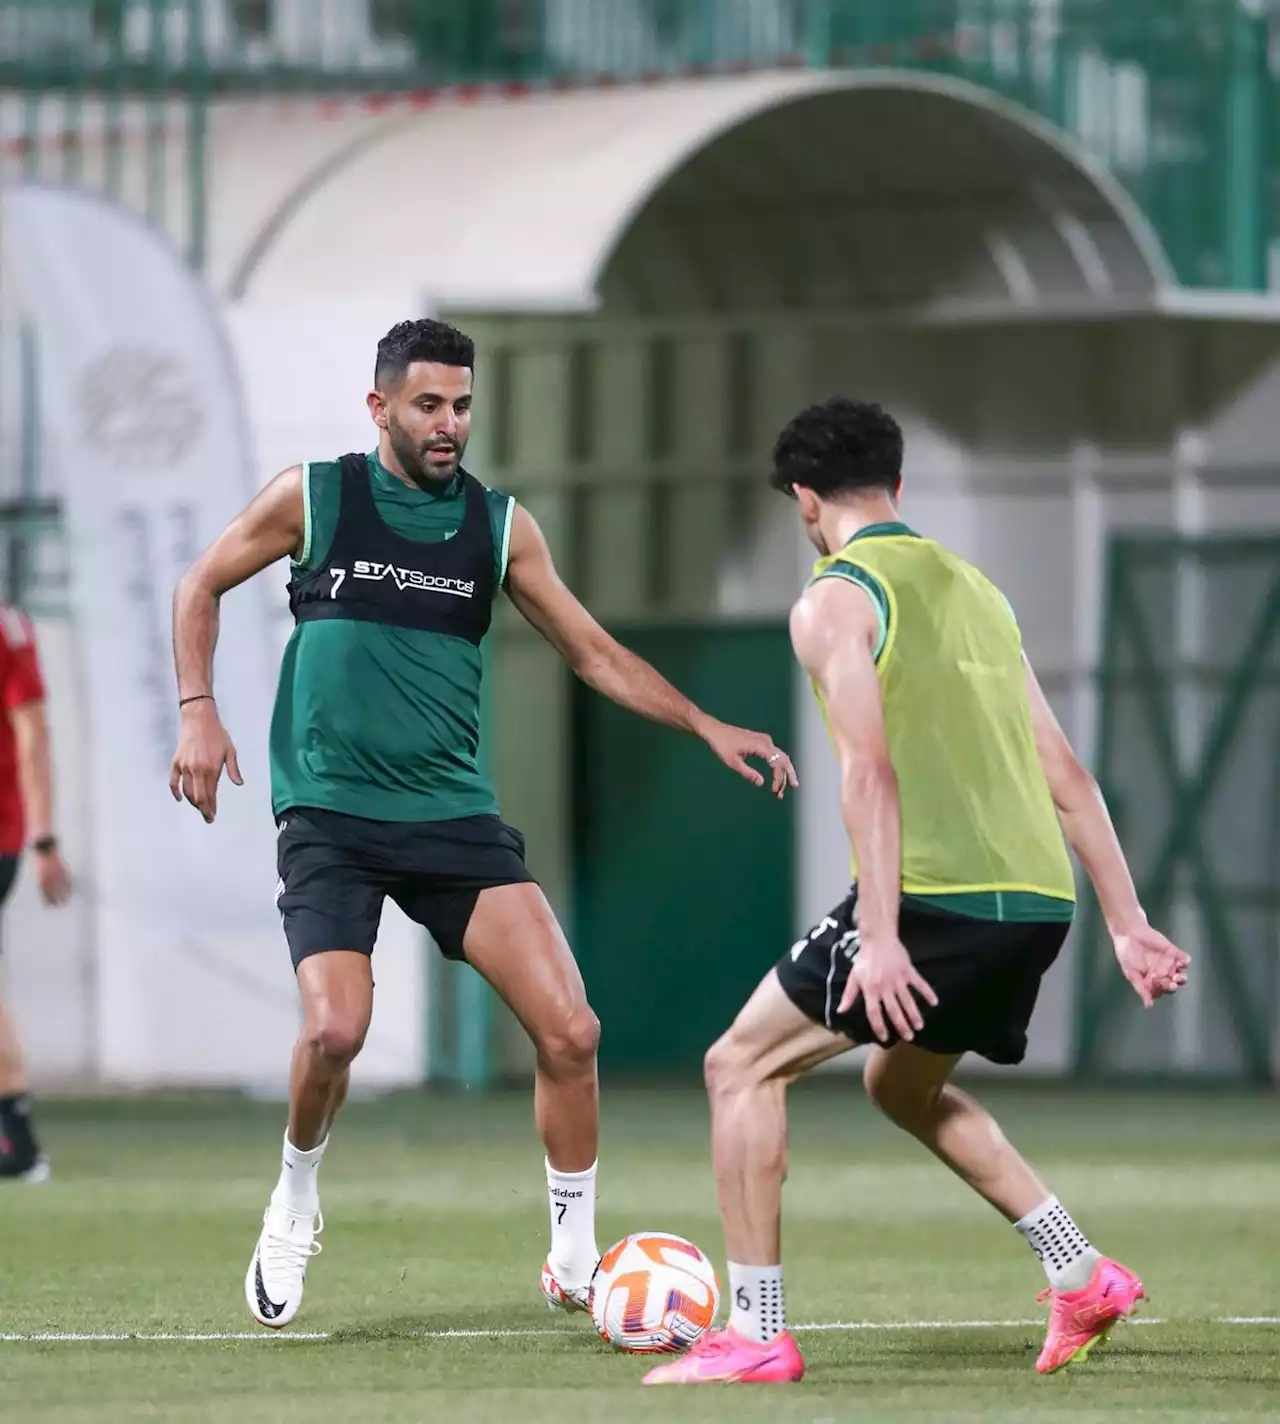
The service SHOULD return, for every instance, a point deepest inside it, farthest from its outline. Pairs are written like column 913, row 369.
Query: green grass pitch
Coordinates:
column 436, row 1222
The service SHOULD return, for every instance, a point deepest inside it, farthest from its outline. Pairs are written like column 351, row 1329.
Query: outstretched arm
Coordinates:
column 1152, row 964
column 604, row 664
column 271, row 527
column 833, row 630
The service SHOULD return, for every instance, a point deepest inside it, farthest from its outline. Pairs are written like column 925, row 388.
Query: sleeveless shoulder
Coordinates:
column 502, row 509
column 841, row 566
column 997, row 595
column 321, row 496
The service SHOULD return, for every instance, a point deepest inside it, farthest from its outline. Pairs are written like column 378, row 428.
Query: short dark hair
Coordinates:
column 423, row 340
column 839, row 447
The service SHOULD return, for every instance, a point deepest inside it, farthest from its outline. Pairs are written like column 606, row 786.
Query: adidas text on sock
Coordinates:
column 572, row 1199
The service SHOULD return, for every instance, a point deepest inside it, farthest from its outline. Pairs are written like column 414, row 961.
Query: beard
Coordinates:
column 413, row 456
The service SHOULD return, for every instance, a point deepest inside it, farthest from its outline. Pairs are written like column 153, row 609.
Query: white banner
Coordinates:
column 144, row 427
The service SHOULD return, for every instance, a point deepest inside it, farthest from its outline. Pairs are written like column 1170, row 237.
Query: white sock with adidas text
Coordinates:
column 572, row 1196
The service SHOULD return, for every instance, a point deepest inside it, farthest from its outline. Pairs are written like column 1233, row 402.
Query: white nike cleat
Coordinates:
column 278, row 1270
column 36, row 1175
column 562, row 1297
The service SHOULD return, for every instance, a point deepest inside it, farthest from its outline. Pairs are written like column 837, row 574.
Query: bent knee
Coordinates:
column 727, row 1065
column 336, row 1036
column 571, row 1042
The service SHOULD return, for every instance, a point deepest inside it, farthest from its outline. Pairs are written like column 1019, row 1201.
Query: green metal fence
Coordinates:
column 1174, row 95
column 1189, row 758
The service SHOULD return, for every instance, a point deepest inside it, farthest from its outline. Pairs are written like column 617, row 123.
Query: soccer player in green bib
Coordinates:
column 397, row 556
column 956, row 787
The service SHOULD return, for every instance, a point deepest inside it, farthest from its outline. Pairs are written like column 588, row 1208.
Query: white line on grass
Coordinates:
column 76, row 1337
column 145, row 1337
column 836, row 1325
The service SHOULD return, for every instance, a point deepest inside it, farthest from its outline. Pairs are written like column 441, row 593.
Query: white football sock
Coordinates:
column 1064, row 1251
column 758, row 1309
column 298, row 1189
column 573, row 1225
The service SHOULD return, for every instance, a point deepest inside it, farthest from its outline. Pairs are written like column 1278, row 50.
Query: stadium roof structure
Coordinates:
column 888, row 195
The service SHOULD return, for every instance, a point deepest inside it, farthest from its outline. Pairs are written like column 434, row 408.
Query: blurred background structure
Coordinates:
column 1043, row 232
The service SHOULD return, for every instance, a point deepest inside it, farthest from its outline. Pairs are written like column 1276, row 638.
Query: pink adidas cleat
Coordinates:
column 725, row 1357
column 1079, row 1319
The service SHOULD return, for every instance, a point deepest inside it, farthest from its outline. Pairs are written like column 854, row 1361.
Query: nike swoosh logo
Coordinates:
column 714, row 1369
column 758, row 1365
column 265, row 1304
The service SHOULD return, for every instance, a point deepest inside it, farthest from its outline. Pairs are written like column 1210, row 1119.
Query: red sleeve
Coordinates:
column 20, row 680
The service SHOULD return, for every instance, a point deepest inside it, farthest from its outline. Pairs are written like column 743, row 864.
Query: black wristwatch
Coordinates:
column 45, row 845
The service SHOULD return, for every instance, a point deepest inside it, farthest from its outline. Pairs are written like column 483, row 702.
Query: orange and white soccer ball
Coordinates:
column 653, row 1294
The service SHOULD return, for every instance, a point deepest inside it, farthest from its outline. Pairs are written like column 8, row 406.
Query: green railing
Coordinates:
column 1189, row 757
column 1174, row 95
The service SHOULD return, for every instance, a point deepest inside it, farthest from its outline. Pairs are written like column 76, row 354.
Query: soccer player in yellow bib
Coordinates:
column 957, row 786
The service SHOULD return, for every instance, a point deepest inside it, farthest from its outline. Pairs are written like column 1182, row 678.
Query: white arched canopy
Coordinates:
column 885, row 192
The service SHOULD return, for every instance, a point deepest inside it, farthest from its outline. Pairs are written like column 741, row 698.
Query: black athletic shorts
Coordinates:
column 335, row 872
column 986, row 974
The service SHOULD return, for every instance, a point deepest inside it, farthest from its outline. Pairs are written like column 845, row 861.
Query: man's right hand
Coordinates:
column 882, row 972
column 204, row 748
column 1153, row 965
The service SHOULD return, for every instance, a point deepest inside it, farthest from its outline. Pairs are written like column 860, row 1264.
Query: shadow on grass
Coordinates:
column 472, row 1325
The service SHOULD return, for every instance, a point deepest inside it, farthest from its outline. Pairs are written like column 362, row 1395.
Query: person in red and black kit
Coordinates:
column 26, row 819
